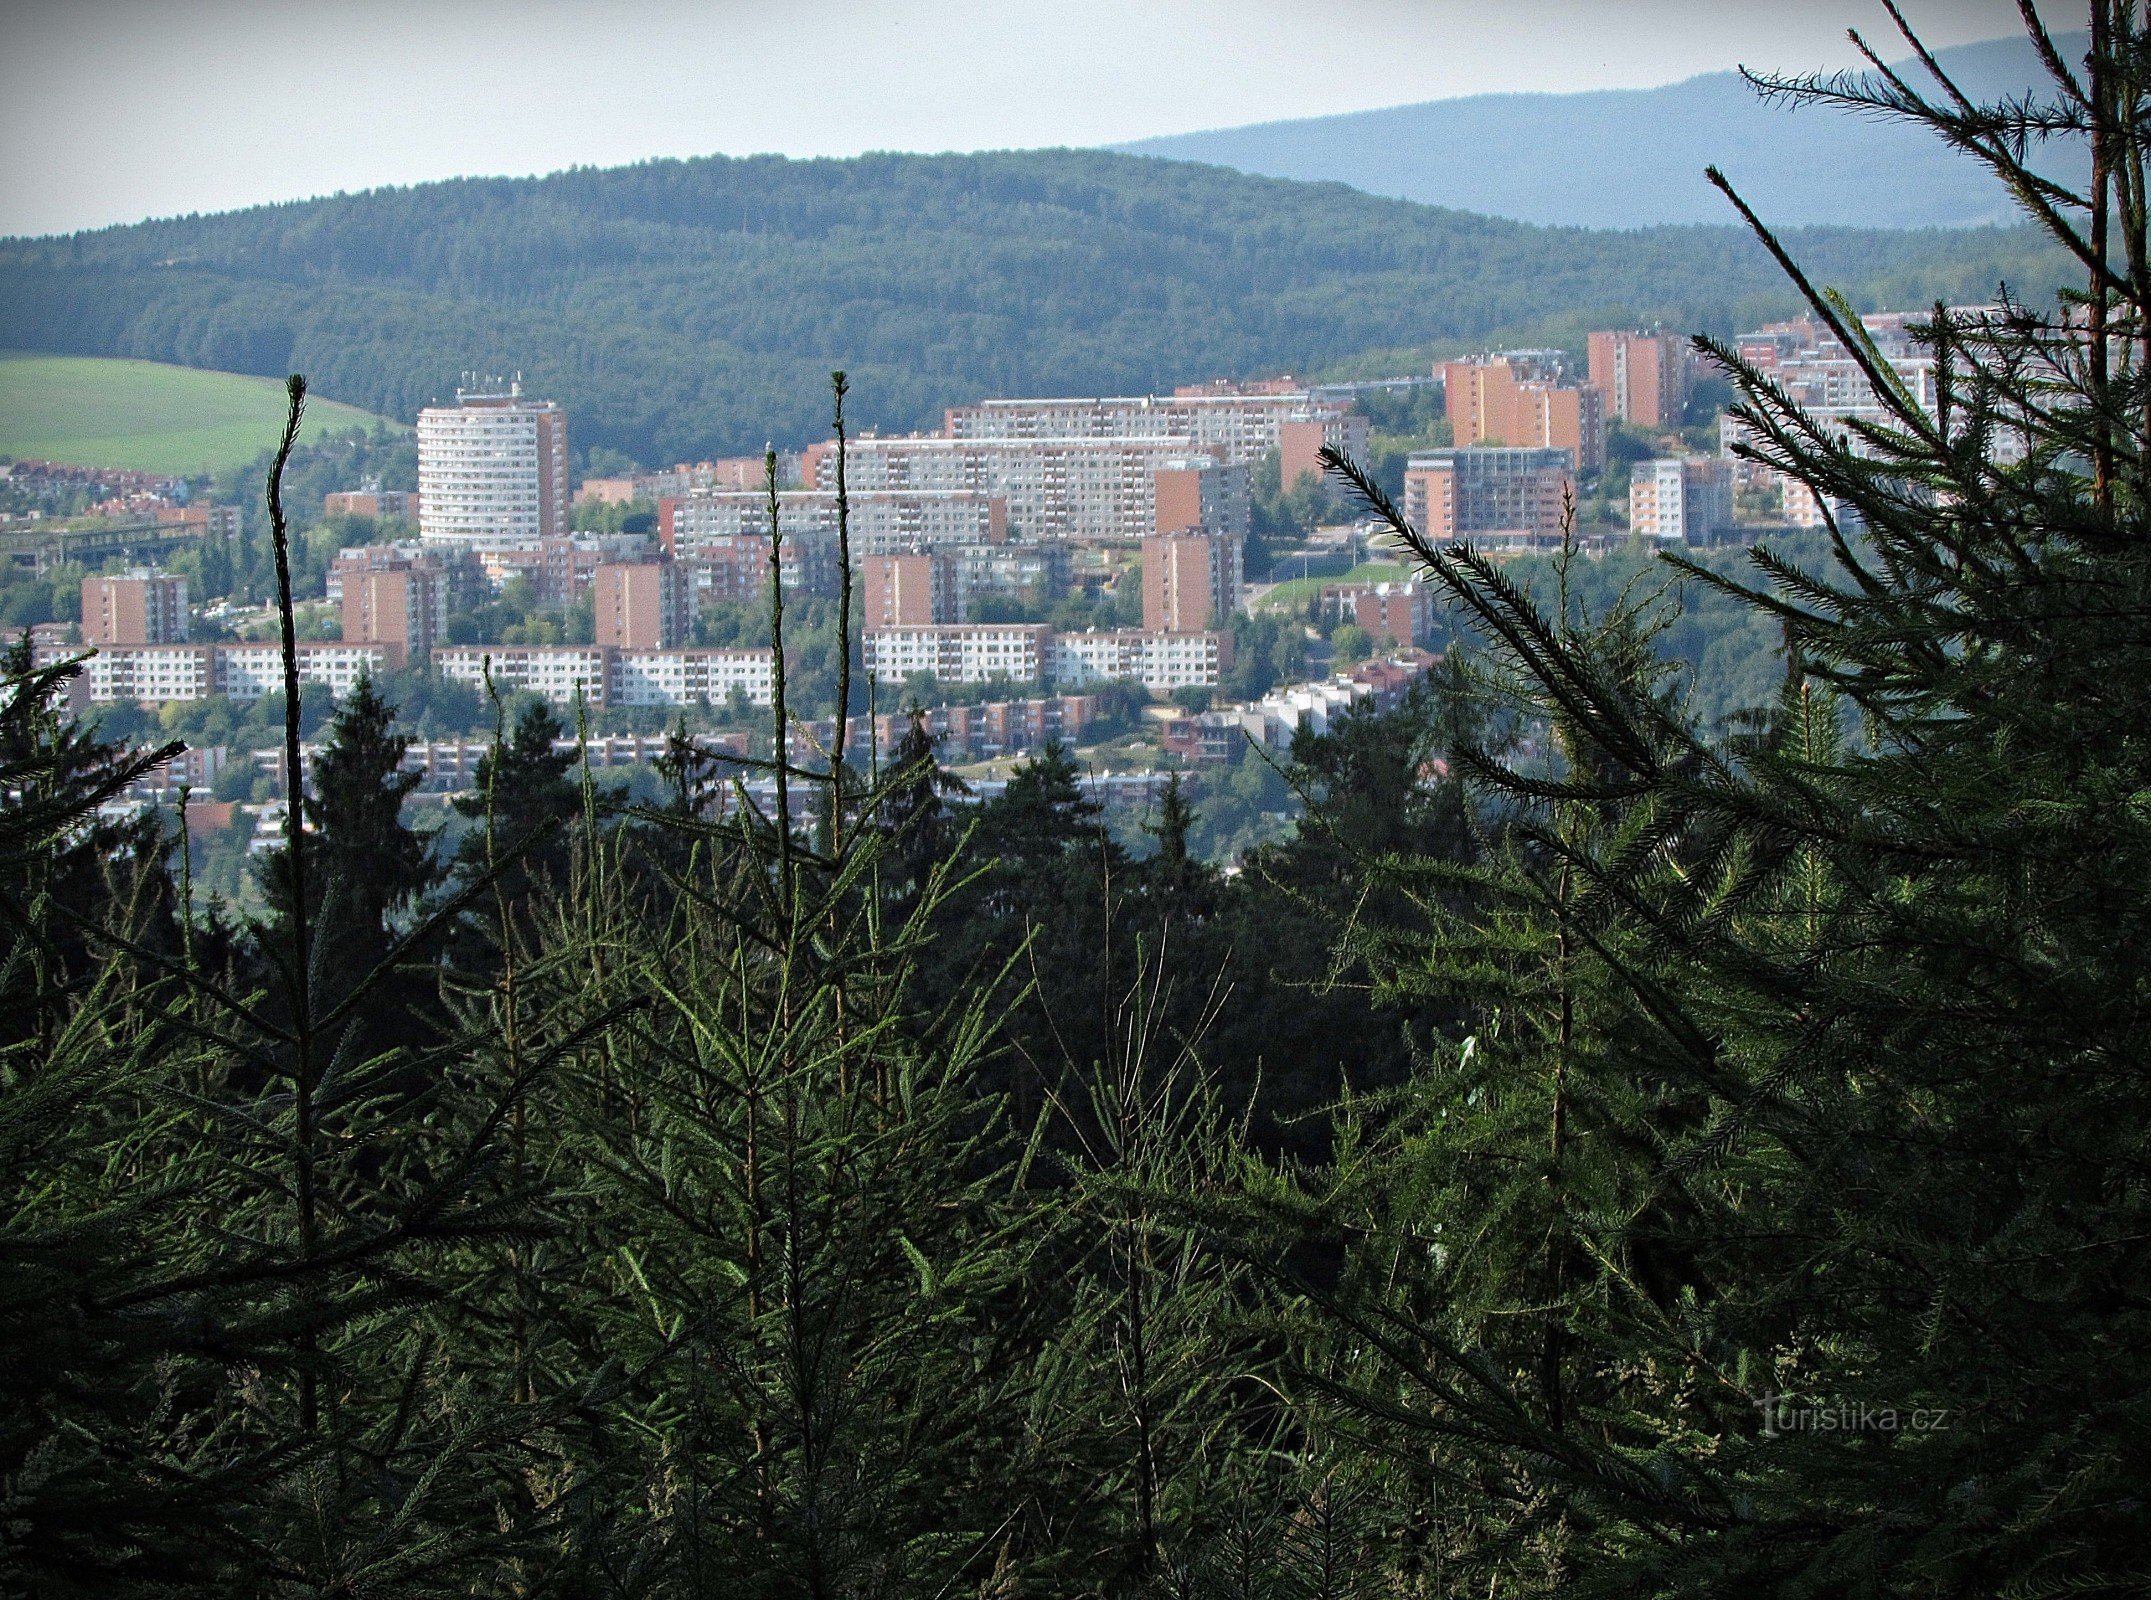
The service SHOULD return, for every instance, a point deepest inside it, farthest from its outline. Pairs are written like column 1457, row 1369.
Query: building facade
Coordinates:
column 492, row 466
column 1191, row 581
column 643, row 605
column 883, row 522
column 1400, row 612
column 1689, row 499
column 1460, row 494
column 399, row 505
column 1237, row 424
column 1519, row 400
column 960, row 652
column 1644, row 376
column 1095, row 489
column 139, row 607
column 911, row 591
column 154, row 674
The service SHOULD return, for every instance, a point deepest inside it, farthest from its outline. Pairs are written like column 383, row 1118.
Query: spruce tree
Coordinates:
column 1852, row 1004
column 371, row 867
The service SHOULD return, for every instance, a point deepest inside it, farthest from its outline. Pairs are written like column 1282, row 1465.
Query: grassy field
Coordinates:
column 144, row 415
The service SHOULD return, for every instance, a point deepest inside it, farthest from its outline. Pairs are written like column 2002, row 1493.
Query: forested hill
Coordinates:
column 681, row 308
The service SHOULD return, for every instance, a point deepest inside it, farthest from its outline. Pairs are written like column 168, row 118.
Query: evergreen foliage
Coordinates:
column 1783, row 1233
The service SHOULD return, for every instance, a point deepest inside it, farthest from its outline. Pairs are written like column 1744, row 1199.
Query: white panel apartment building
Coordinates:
column 1237, row 428
column 1061, row 488
column 688, row 677
column 154, row 674
column 1819, row 375
column 492, row 466
column 608, row 676
column 884, row 522
column 960, row 652
column 980, row 652
column 1160, row 662
column 554, row 672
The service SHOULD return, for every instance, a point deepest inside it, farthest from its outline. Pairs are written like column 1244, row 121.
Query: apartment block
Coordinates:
column 960, row 652
column 253, row 671
column 400, row 505
column 399, row 608
column 1402, row 612
column 1517, row 400
column 1191, row 581
column 140, row 607
column 1466, row 493
column 150, row 675
column 1200, row 495
column 556, row 672
column 154, row 674
column 1819, row 375
column 1160, row 662
column 911, row 591
column 1098, row 489
column 209, row 521
column 1687, row 498
column 1239, row 424
column 883, row 522
column 641, row 606
column 723, row 570
column 688, row 677
column 1644, row 376
column 459, row 577
column 995, row 727
column 493, row 465
column 560, row 568
column 1030, row 571
column 605, row 676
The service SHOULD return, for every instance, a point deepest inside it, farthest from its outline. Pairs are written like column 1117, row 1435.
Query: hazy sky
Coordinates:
column 113, row 110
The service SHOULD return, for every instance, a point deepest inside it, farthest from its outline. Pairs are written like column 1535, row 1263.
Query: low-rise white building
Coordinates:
column 156, row 674
column 960, row 652
column 554, row 672
column 1160, row 662
column 686, row 677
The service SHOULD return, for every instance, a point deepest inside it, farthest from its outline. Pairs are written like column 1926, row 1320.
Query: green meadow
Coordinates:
column 144, row 415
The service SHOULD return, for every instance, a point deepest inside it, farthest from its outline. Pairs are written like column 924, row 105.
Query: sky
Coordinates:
column 116, row 110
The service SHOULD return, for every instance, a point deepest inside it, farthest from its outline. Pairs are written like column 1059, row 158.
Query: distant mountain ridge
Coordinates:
column 1624, row 158
column 688, row 308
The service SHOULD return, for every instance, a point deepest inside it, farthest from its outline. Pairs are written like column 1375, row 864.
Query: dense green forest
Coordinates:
column 684, row 308
column 1603, row 1154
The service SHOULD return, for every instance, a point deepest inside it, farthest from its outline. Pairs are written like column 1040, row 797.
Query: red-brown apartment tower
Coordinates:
column 910, row 591
column 639, row 605
column 139, row 608
column 1191, row 582
column 1644, row 376
column 1502, row 400
column 1299, row 449
column 395, row 607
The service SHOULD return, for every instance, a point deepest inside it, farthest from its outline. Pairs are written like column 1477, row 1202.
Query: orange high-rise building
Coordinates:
column 1644, row 376
column 910, row 591
column 639, row 605
column 398, row 607
column 139, row 608
column 1516, row 402
column 1191, row 582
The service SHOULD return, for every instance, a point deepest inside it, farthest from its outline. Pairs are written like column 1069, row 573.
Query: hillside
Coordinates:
column 1628, row 157
column 682, row 308
column 144, row 415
